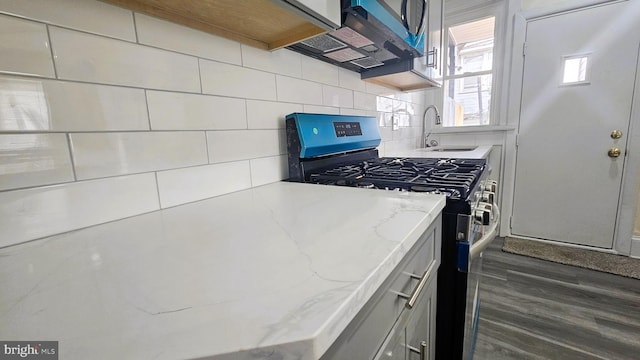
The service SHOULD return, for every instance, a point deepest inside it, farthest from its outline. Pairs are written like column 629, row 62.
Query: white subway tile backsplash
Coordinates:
column 23, row 105
column 384, row 104
column 418, row 97
column 402, row 96
column 357, row 112
column 107, row 154
column 34, row 159
column 298, row 91
column 268, row 114
column 385, row 119
column 338, row 97
column 87, row 15
column 399, row 146
column 244, row 144
column 29, row 104
column 399, row 106
column 231, row 80
column 196, row 183
column 191, row 114
column 319, row 71
column 33, row 213
column 386, row 133
column 159, row 33
column 378, row 90
column 268, row 170
column 282, row 61
column 416, row 120
column 404, row 133
column 457, row 139
column 87, row 107
column 314, row 109
column 350, row 80
column 412, row 108
column 24, row 47
column 180, row 111
column 404, row 119
column 364, row 101
column 91, row 58
column 382, row 151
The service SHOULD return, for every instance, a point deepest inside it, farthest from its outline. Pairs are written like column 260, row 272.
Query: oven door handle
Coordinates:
column 488, row 237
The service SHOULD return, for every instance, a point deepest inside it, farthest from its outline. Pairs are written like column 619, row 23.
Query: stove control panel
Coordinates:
column 347, row 128
column 318, row 135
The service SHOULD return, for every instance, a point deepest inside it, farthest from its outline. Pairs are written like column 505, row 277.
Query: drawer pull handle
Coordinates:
column 422, row 351
column 418, row 289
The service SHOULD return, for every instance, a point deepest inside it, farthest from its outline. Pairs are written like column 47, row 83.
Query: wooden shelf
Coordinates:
column 403, row 81
column 260, row 23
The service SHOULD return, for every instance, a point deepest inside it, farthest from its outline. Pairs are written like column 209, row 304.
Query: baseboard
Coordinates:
column 570, row 245
column 635, row 247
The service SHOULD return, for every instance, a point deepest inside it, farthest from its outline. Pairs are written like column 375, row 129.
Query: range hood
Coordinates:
column 374, row 42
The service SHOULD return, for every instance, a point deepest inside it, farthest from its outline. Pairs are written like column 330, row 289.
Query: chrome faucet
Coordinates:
column 424, row 123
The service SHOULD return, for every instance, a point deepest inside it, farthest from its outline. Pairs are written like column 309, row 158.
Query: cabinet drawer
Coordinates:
column 364, row 335
column 412, row 328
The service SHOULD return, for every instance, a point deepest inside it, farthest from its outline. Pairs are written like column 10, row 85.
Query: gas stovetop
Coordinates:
column 453, row 177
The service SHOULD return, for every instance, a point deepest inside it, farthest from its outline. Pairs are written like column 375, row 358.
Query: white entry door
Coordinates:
column 578, row 83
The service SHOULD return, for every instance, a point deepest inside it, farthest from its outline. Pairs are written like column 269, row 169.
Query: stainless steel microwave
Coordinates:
column 373, row 33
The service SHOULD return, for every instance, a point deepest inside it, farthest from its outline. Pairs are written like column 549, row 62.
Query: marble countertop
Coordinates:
column 446, row 151
column 276, row 271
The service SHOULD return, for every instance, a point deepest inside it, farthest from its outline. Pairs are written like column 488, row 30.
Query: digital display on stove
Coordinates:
column 347, row 129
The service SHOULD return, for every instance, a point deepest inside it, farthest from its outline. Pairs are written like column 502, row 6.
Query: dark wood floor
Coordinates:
column 535, row 309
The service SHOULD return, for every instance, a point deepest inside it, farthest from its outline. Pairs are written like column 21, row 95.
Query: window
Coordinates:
column 575, row 70
column 468, row 80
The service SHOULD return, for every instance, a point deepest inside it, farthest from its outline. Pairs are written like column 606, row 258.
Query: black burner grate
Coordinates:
column 453, row 177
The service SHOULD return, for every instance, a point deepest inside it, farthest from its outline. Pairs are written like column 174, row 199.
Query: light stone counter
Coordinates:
column 274, row 272
column 445, row 152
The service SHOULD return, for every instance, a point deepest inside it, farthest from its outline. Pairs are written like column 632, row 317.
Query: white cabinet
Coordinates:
column 434, row 51
column 430, row 65
column 421, row 328
column 385, row 325
column 413, row 336
column 328, row 12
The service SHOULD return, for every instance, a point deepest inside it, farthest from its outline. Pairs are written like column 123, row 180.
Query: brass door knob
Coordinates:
column 616, row 134
column 613, row 152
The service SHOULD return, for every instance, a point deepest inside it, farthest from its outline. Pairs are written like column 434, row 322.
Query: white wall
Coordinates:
column 636, row 227
column 106, row 114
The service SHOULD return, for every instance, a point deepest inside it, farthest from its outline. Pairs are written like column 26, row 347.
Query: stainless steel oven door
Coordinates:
column 480, row 237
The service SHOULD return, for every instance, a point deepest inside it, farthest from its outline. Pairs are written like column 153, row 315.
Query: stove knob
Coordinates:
column 482, row 216
column 485, row 206
column 488, row 197
column 490, row 185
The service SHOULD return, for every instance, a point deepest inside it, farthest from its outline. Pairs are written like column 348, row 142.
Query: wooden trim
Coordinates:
column 258, row 23
column 302, row 33
column 403, row 81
